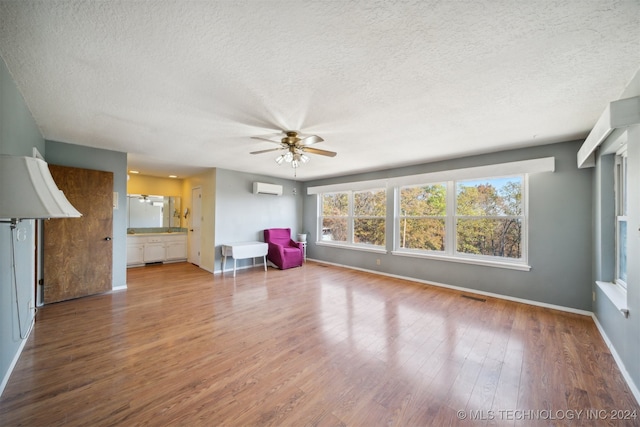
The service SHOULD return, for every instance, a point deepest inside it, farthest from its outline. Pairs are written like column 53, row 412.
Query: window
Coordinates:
column 369, row 217
column 422, row 217
column 476, row 215
column 489, row 217
column 354, row 217
column 479, row 218
column 335, row 217
column 620, row 181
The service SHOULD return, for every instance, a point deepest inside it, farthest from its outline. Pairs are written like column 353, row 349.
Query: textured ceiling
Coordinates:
column 183, row 85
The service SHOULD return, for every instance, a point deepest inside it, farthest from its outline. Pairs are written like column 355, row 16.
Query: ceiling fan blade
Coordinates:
column 265, row 151
column 311, row 139
column 320, row 152
column 266, row 139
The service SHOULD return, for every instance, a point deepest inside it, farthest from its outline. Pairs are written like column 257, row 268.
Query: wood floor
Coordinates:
column 317, row 345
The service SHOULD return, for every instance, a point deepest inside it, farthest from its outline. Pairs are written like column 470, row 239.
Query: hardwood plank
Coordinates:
column 317, row 345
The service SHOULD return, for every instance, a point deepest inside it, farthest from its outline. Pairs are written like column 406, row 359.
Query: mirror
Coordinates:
column 148, row 211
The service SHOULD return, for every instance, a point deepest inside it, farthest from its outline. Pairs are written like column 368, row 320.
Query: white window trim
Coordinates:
column 450, row 253
column 616, row 294
column 526, row 167
column 397, row 233
column 621, row 204
column 350, row 222
column 354, row 246
column 468, row 259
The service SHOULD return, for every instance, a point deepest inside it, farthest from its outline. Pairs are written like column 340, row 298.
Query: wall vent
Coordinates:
column 473, row 298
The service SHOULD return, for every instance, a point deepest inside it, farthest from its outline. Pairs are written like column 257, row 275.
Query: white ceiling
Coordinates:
column 183, row 85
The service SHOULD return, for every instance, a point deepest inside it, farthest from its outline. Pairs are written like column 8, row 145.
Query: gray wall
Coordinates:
column 623, row 333
column 242, row 216
column 18, row 135
column 560, row 222
column 59, row 153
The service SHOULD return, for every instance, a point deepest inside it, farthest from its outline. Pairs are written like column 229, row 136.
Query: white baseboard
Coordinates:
column 206, row 269
column 14, row 361
column 616, row 357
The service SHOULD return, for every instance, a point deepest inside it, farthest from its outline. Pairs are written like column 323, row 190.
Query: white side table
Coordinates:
column 304, row 250
column 244, row 250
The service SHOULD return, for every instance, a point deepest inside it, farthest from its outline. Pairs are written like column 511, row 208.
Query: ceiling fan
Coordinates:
column 295, row 147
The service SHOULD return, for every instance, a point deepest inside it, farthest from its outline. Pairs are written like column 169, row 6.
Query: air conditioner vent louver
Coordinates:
column 264, row 188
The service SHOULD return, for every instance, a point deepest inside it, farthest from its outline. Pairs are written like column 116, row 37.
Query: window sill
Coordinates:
column 487, row 263
column 354, row 247
column 616, row 294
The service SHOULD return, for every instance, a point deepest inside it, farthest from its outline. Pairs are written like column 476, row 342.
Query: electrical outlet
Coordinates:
column 593, row 295
column 378, row 261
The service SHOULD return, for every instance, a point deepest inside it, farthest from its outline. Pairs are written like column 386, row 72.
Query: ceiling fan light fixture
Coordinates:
column 295, row 148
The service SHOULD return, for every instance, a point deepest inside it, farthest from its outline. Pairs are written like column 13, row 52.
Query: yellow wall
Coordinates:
column 155, row 186
column 207, row 183
column 152, row 185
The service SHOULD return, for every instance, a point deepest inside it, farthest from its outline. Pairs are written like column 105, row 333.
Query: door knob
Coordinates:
column 107, row 238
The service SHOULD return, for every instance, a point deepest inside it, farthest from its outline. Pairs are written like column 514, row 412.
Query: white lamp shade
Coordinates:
column 28, row 191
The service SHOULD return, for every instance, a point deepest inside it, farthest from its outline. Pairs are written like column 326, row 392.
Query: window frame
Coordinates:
column 524, row 217
column 398, row 217
column 621, row 209
column 450, row 252
column 321, row 217
column 351, row 217
column 517, row 167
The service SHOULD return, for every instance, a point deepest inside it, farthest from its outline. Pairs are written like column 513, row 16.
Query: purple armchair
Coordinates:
column 283, row 251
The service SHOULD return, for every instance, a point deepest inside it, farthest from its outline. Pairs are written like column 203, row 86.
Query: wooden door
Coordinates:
column 78, row 251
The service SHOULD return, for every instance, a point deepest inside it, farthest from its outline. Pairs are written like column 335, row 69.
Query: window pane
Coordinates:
column 620, row 182
column 334, row 229
column 422, row 233
column 622, row 250
column 494, row 197
column 369, row 231
column 336, row 204
column 425, row 200
column 494, row 237
column 370, row 203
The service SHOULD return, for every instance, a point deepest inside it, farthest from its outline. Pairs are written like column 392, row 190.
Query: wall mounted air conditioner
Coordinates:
column 264, row 188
